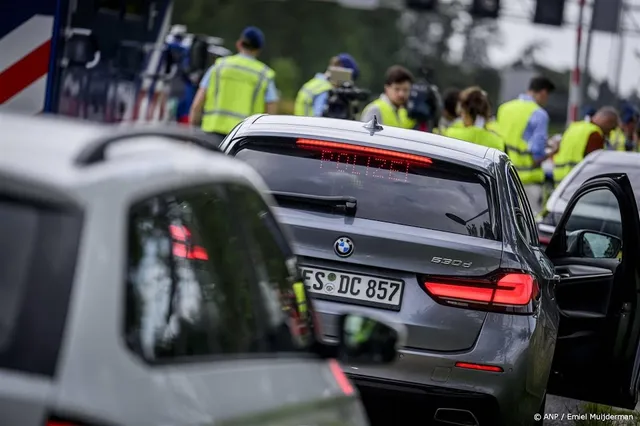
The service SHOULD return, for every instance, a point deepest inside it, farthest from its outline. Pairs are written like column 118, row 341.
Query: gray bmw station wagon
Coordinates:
column 438, row 234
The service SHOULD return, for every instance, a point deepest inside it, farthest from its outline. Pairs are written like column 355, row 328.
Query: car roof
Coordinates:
column 31, row 140
column 417, row 142
column 618, row 158
column 41, row 152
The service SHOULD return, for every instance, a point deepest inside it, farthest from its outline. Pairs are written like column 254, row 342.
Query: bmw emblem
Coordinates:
column 343, row 247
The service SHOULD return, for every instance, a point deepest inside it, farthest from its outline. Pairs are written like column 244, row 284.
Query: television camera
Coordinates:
column 425, row 103
column 345, row 99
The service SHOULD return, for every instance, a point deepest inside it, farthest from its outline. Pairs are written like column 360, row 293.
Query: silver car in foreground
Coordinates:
column 438, row 234
column 143, row 281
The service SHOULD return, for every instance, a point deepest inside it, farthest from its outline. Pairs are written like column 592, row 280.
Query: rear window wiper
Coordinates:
column 344, row 202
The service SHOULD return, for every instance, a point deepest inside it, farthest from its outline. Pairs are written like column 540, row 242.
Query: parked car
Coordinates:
column 439, row 234
column 597, row 215
column 144, row 281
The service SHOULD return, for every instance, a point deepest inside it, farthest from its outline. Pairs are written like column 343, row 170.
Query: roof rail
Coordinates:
column 94, row 152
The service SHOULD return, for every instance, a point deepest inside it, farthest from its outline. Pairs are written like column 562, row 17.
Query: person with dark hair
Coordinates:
column 313, row 95
column 389, row 108
column 524, row 125
column 475, row 111
column 450, row 115
column 235, row 87
column 582, row 138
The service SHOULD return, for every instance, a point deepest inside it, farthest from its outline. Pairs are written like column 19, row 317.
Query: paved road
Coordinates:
column 384, row 415
column 559, row 405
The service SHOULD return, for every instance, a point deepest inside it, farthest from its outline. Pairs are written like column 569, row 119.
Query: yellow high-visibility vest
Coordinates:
column 617, row 139
column 301, row 298
column 457, row 123
column 478, row 136
column 571, row 152
column 511, row 121
column 236, row 91
column 392, row 116
column 306, row 95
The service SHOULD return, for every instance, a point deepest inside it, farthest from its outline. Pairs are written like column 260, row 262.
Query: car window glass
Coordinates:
column 190, row 287
column 592, row 169
column 427, row 194
column 271, row 254
column 520, row 207
column 38, row 252
column 526, row 207
column 598, row 211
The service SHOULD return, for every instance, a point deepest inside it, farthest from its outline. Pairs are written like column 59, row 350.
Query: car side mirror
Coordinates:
column 594, row 245
column 367, row 340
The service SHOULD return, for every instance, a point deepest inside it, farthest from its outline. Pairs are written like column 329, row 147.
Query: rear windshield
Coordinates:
column 38, row 248
column 403, row 190
column 593, row 169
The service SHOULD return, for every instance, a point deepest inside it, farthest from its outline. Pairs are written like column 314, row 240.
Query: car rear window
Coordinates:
column 395, row 188
column 38, row 249
column 207, row 279
column 593, row 169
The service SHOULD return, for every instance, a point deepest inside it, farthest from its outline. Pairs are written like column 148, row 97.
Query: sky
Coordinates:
column 561, row 43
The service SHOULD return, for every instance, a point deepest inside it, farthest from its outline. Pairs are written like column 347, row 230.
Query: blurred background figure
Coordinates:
column 312, row 98
column 449, row 110
column 588, row 111
column 475, row 111
column 234, row 88
column 524, row 125
column 581, row 138
column 390, row 108
column 621, row 138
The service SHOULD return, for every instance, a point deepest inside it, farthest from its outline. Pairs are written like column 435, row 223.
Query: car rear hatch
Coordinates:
column 371, row 226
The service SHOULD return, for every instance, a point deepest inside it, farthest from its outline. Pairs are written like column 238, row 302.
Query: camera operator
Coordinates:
column 390, row 108
column 314, row 94
column 425, row 104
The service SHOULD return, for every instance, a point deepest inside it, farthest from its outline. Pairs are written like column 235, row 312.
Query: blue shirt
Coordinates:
column 537, row 131
column 270, row 96
column 320, row 100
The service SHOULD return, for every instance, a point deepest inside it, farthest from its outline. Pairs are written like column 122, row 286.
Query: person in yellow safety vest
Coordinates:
column 313, row 95
column 234, row 88
column 524, row 125
column 390, row 107
column 617, row 140
column 622, row 137
column 301, row 299
column 475, row 112
column 449, row 111
column 582, row 138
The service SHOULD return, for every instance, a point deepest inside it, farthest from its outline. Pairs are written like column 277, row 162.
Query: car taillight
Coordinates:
column 510, row 289
column 63, row 421
column 181, row 236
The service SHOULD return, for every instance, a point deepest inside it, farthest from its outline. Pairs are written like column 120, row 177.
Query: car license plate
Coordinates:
column 358, row 289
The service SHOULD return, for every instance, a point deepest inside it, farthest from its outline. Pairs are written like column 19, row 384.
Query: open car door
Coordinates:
column 597, row 290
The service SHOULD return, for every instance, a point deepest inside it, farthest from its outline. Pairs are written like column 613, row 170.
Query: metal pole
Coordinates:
column 620, row 60
column 587, row 61
column 574, row 88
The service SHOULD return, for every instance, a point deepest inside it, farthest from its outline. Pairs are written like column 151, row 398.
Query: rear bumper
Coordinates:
column 402, row 403
column 430, row 380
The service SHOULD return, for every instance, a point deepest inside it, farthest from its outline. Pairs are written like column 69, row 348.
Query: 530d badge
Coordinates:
column 452, row 262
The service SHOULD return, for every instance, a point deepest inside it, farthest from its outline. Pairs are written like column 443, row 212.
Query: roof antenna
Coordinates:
column 373, row 126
